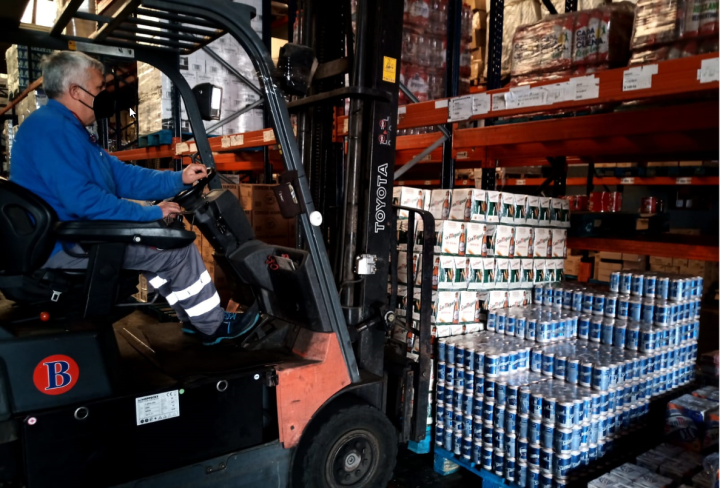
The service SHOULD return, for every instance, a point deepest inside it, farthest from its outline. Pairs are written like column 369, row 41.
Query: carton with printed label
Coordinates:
column 462, row 272
column 479, row 206
column 515, row 273
column 446, row 272
column 559, row 243
column 497, row 299
column 470, row 312
column 544, row 219
column 450, row 237
column 504, row 241
column 521, row 209
column 523, row 242
column 559, row 268
column 532, row 216
column 539, row 271
column 502, row 273
column 565, row 213
column 476, row 273
column 475, row 232
column 540, row 242
column 507, row 208
column 489, row 247
column 440, row 201
column 409, row 260
column 448, row 307
column 516, row 298
column 692, row 422
column 461, row 206
column 493, row 204
column 406, row 196
column 556, row 219
column 527, row 270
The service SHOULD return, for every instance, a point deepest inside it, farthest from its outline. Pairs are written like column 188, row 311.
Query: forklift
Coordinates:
column 316, row 396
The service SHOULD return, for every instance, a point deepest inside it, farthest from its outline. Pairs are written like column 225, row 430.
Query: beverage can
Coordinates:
column 615, row 281
column 662, row 288
column 625, row 283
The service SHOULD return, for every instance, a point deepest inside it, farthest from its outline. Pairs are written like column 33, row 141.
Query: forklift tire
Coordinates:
column 353, row 446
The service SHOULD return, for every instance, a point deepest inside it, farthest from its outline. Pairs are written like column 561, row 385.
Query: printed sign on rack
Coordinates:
column 639, row 77
column 708, row 71
column 498, row 102
column 584, row 88
column 481, row 104
column 460, row 108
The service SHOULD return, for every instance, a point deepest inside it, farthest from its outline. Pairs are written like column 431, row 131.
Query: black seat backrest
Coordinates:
column 26, row 230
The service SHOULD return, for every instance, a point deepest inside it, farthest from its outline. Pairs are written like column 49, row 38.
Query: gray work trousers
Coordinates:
column 178, row 274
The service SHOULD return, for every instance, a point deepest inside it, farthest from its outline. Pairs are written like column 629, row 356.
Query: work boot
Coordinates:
column 233, row 326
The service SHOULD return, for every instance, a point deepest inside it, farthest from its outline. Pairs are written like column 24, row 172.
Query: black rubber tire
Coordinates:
column 311, row 460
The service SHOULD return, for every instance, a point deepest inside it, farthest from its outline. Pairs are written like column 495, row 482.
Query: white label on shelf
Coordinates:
column 153, row 408
column 520, row 182
column 268, row 135
column 627, row 181
column 428, row 182
column 181, row 147
column 461, row 155
column 225, row 142
column 402, row 110
column 525, row 97
column 639, row 77
column 498, row 101
column 345, row 126
column 441, row 104
column 481, row 103
column 558, row 92
column 684, row 181
column 192, row 147
column 584, row 88
column 460, row 108
column 120, row 52
column 237, row 140
column 708, row 71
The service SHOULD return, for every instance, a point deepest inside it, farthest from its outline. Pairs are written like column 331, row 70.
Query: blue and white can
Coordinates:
column 477, row 427
column 632, row 337
column 619, row 334
column 650, row 286
column 584, row 327
column 585, row 378
column 562, row 442
column 491, row 319
column 598, row 304
column 536, row 360
column 457, row 443
column 536, row 405
column 439, row 433
column 500, row 392
column 611, row 301
column 531, row 328
column 521, row 473
column 559, row 367
column 477, row 453
column 499, row 420
column 459, row 377
column 572, row 371
column 623, row 307
column 510, row 322
column 523, row 426
column 648, row 311
column 448, row 438
column 595, row 329
column 648, row 339
column 534, row 430
column 479, row 386
column 575, row 459
column 523, row 402
column 466, row 448
column 585, row 433
column 662, row 288
column 592, row 452
column 637, row 285
column 521, row 326
column 662, row 314
column 544, row 332
column 499, row 439
column 450, row 374
column 511, row 421
column 546, row 459
column 533, row 456
column 487, row 457
column 606, row 331
column 469, row 360
column 565, row 414
column 635, row 310
column 615, row 281
column 500, row 320
column 538, row 293
column 442, row 350
column 561, row 465
column 548, row 363
column 626, row 283
column 490, row 388
column 676, row 289
column 511, row 396
column 588, row 301
column 509, row 471
column 504, row 363
column 488, row 433
column 548, row 297
column 547, row 436
column 567, row 299
column 468, row 402
column 577, row 300
column 558, row 294
column 457, row 399
column 600, row 377
column 499, row 462
column 460, row 355
column 510, row 445
column 576, row 437
column 492, row 365
column 479, row 362
column 488, row 411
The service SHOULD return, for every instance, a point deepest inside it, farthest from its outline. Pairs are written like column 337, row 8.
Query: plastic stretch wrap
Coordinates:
column 517, row 13
column 577, row 42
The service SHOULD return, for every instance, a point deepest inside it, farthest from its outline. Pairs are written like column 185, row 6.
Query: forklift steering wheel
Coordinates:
column 187, row 197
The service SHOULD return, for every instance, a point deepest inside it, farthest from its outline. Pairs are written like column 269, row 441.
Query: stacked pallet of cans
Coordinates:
column 581, row 390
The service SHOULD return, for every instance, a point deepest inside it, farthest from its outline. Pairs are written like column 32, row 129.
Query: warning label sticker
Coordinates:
column 389, row 69
column 153, row 408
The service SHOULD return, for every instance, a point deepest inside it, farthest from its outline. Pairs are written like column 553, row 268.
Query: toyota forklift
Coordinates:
column 315, row 396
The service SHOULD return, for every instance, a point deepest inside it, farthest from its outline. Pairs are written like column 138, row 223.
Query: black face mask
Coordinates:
column 103, row 104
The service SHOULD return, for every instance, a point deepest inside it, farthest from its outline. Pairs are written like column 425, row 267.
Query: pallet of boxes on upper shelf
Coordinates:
column 490, row 249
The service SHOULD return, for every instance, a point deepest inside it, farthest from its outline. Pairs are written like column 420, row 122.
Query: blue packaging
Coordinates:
column 547, row 434
column 548, row 363
column 559, row 367
column 450, row 374
column 492, row 363
column 479, row 362
column 480, row 386
column 562, row 442
column 592, row 452
column 585, row 434
column 546, row 459
column 635, row 310
column 457, row 444
column 459, row 356
column 585, row 378
column 615, row 281
column 513, row 361
column 598, row 304
column 536, row 360
column 470, row 380
column 509, row 471
column 487, row 457
column 567, row 299
column 595, row 329
column 441, row 371
column 572, row 371
column 523, row 426
column 469, row 360
column 510, row 421
column 488, row 411
column 523, row 401
column 619, row 332
column 561, row 465
column 676, row 289
column 538, row 295
column 534, row 430
column 594, row 432
column 521, row 473
column 521, row 327
column 595, row 404
column 499, row 420
column 543, row 333
column 490, row 388
column 500, row 392
column 500, row 320
column 662, row 288
column 536, row 405
column 588, row 300
column 565, row 414
column 649, row 286
column 607, row 332
column 491, row 319
column 623, row 307
column 449, row 394
column 510, row 322
column 632, row 337
column 612, row 396
column 636, row 288
column 468, row 403
column 467, row 426
column 577, row 300
column 558, row 294
column 504, row 364
column 611, row 301
column 442, row 350
column 477, row 427
column 584, row 327
column 459, row 377
column 477, row 453
column 575, row 459
column 448, row 439
column 533, row 454
column 499, row 439
column 578, row 410
column 488, row 433
column 531, row 328
column 625, row 283
column 466, row 448
column 585, row 456
column 510, row 445
column 498, row 462
column 648, row 312
column 576, row 437
column 512, row 396
column 457, row 398
column 547, row 297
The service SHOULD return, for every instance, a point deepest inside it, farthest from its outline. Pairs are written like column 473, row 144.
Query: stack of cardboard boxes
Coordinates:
column 23, row 67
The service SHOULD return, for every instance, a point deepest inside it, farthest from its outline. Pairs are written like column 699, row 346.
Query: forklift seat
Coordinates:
column 30, row 228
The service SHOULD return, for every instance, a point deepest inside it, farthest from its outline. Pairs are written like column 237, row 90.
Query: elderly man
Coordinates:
column 56, row 158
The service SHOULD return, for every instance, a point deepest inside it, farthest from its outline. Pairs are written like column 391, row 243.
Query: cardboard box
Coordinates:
column 660, row 261
column 539, row 271
column 469, row 307
column 493, row 204
column 406, row 196
column 479, row 206
column 572, row 265
column 505, row 241
column 533, row 210
column 692, row 422
column 521, row 209
column 502, row 273
column 449, row 236
column 447, row 309
column 440, row 201
column 461, row 206
column 446, row 273
column 476, row 278
column 540, row 242
column 679, row 262
column 523, row 242
column 507, row 208
column 489, row 249
column 475, row 232
column 559, row 243
column 515, row 273
column 544, row 219
column 611, row 255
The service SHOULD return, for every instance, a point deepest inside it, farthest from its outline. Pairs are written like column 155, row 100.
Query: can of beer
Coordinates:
column 457, row 398
column 650, row 286
column 479, row 362
column 457, row 444
column 648, row 311
column 488, row 433
column 510, row 445
column 565, row 414
column 623, row 307
column 509, row 470
column 504, row 364
column 533, row 456
column 450, row 374
column 488, row 411
column 588, row 301
column 547, row 297
column 578, row 410
column 499, row 420
column 558, row 295
column 523, row 401
column 538, row 292
column 561, row 465
column 500, row 320
column 499, row 439
column 619, row 332
column 547, row 434
column 595, row 329
column 467, row 425
column 575, row 459
column 584, row 327
column 511, row 396
column 498, row 462
column 480, row 386
column 460, row 355
column 536, row 405
column 559, row 367
column 477, row 427
column 521, row 473
column 637, row 285
column 469, row 359
column 546, row 460
column 585, row 378
column 466, row 448
column 510, row 325
column 536, row 360
column 533, row 479
column 598, row 304
column 500, row 391
column 594, row 431
column 491, row 319
column 520, row 326
column 544, row 332
column 611, row 305
column 567, row 299
column 632, row 337
column 439, row 433
column 635, row 310
column 448, row 438
column 600, row 377
column 576, row 431
column 531, row 328
column 492, row 364
column 534, row 430
column 459, row 377
column 607, row 329
column 592, row 452
column 662, row 288
column 676, row 289
column 442, row 350
column 577, row 300
column 548, row 363
column 523, row 425
column 626, row 283
column 662, row 314
column 615, row 281
column 487, row 456
column 477, row 453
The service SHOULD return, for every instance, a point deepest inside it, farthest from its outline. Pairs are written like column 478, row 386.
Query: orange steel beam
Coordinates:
column 663, row 246
column 32, row 86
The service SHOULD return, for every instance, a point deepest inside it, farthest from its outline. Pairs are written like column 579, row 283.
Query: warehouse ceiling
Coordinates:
column 11, row 11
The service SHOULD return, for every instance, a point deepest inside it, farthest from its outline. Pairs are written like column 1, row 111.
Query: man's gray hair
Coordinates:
column 64, row 68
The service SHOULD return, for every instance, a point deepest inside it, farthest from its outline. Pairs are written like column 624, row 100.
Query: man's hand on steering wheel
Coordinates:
column 194, row 172
column 169, row 209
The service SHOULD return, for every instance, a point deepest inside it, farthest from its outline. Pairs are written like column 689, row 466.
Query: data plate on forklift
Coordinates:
column 153, row 408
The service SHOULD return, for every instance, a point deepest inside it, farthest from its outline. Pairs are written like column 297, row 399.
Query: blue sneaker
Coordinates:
column 189, row 328
column 233, row 326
